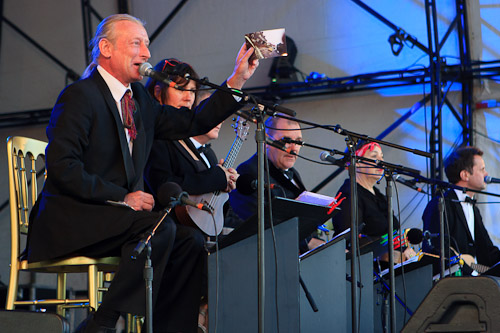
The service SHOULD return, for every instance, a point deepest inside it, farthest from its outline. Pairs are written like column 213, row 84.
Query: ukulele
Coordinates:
column 212, row 225
column 468, row 260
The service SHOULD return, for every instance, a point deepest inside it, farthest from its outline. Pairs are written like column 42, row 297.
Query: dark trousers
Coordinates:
column 177, row 257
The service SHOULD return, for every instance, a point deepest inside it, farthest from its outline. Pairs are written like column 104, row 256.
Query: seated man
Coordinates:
column 281, row 172
column 464, row 228
column 100, row 134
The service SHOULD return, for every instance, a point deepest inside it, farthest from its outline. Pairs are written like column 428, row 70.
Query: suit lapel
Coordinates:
column 285, row 182
column 461, row 215
column 127, row 159
column 211, row 157
column 187, row 149
column 139, row 150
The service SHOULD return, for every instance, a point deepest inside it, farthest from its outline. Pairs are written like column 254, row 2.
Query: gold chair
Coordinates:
column 26, row 159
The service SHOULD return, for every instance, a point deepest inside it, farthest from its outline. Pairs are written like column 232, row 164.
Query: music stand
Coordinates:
column 310, row 216
column 234, row 266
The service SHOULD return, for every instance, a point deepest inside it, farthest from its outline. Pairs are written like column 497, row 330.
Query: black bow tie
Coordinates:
column 470, row 200
column 288, row 173
column 203, row 149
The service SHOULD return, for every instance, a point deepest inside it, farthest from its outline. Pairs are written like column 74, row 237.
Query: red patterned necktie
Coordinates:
column 128, row 109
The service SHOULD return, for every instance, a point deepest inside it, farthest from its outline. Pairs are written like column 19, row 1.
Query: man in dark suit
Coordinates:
column 463, row 222
column 99, row 140
column 281, row 172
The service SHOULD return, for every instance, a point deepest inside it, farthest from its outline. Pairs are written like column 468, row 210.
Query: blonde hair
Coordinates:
column 105, row 29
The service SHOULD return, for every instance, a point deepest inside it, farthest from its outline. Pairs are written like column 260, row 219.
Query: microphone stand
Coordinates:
column 351, row 141
column 260, row 139
column 270, row 109
column 351, row 146
column 145, row 242
column 390, row 246
column 245, row 96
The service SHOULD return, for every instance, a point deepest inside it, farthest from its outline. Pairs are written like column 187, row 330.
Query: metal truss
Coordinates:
column 438, row 76
column 33, row 117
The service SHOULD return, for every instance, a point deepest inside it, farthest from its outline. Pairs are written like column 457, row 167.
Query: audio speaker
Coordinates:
column 16, row 321
column 459, row 304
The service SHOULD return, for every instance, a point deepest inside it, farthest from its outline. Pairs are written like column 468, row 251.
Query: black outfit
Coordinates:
column 245, row 206
column 88, row 163
column 372, row 211
column 169, row 161
column 456, row 227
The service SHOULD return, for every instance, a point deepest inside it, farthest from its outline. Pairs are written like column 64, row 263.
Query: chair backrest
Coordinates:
column 26, row 159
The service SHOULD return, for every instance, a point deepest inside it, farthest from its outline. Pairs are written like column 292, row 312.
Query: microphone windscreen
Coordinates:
column 324, row 156
column 245, row 184
column 415, row 236
column 144, row 67
column 167, row 192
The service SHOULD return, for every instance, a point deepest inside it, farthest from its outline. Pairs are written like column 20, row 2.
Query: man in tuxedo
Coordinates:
column 100, row 134
column 464, row 228
column 281, row 172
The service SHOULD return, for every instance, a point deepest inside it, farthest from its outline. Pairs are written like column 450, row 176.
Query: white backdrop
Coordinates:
column 336, row 38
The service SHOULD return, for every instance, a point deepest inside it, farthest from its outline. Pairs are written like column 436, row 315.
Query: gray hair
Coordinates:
column 105, row 30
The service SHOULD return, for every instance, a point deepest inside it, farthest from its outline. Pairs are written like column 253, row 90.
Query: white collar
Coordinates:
column 460, row 195
column 116, row 87
column 195, row 143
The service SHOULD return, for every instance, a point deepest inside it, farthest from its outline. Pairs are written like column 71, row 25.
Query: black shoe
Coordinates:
column 89, row 325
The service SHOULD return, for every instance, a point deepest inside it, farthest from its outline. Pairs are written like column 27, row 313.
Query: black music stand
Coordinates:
column 232, row 270
column 410, row 290
column 323, row 269
column 310, row 217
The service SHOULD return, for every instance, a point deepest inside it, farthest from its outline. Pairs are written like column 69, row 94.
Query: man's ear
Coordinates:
column 464, row 175
column 105, row 47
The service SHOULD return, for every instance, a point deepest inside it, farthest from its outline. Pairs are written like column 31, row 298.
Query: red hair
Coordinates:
column 371, row 145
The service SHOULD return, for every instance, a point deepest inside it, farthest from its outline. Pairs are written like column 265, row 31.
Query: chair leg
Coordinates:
column 61, row 293
column 92, row 280
column 13, row 285
column 100, row 286
column 134, row 323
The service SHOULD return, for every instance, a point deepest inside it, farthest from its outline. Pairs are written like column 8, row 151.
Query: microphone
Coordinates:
column 280, row 145
column 246, row 184
column 409, row 183
column 428, row 235
column 489, row 180
column 170, row 192
column 327, row 157
column 415, row 236
column 146, row 69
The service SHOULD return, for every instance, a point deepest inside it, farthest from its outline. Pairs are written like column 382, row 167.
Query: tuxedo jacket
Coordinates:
column 456, row 227
column 170, row 161
column 246, row 205
column 89, row 163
